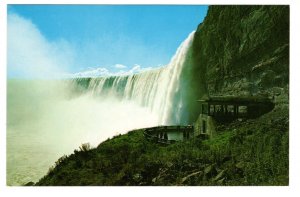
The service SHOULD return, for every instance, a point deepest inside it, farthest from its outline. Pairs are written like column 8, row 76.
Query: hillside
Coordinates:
column 254, row 152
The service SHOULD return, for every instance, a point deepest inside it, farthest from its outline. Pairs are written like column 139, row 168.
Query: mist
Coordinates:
column 45, row 122
column 47, row 118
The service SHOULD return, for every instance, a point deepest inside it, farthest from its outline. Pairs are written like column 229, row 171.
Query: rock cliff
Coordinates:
column 243, row 50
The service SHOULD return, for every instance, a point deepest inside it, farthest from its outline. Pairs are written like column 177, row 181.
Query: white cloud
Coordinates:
column 121, row 66
column 30, row 55
column 138, row 69
column 92, row 73
column 103, row 72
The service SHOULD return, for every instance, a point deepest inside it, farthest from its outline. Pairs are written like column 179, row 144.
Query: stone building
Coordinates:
column 228, row 108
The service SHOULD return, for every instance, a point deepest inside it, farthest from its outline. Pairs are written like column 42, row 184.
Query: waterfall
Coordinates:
column 43, row 114
column 157, row 89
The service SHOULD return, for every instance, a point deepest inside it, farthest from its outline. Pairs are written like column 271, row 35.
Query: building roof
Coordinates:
column 241, row 100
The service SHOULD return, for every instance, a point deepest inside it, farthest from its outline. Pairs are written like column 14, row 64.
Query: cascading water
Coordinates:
column 54, row 117
column 156, row 89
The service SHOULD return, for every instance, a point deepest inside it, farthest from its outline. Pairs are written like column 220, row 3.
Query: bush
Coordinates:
column 85, row 147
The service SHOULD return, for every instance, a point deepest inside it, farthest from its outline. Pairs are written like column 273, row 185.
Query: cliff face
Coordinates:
column 243, row 50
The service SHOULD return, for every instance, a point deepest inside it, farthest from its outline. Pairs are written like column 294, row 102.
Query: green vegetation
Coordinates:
column 252, row 152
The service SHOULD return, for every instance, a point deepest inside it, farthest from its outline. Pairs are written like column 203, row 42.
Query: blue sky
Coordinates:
column 80, row 38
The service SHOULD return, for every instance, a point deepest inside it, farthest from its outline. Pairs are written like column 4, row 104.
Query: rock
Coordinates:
column 219, row 176
column 169, row 164
column 154, row 179
column 267, row 78
column 137, row 177
column 29, row 184
column 279, row 80
column 240, row 165
column 221, row 181
column 210, row 170
column 277, row 91
column 199, row 173
column 254, row 54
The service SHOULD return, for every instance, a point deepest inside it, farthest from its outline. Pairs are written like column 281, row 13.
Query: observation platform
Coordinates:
column 168, row 134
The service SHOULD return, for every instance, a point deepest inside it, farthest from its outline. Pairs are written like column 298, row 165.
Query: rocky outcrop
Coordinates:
column 244, row 50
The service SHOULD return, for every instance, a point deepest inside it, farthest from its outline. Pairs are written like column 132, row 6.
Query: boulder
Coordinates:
column 198, row 173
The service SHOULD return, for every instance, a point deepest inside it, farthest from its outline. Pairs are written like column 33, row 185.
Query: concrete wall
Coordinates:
column 175, row 135
column 169, row 133
column 205, row 125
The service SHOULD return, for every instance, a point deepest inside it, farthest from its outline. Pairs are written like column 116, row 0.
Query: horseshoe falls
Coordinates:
column 159, row 90
column 54, row 117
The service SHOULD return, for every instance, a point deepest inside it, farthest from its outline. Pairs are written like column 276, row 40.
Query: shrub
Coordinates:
column 85, row 147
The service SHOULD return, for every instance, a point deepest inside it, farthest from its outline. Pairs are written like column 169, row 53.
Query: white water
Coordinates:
column 44, row 122
column 154, row 89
